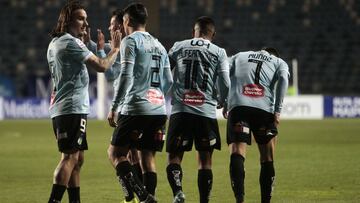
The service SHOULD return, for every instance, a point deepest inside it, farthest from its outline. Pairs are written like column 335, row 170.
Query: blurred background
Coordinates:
column 322, row 36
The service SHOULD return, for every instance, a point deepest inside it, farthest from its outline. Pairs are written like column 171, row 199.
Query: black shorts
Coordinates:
column 144, row 132
column 243, row 121
column 70, row 132
column 184, row 128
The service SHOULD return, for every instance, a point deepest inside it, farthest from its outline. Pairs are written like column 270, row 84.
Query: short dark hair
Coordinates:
column 118, row 13
column 65, row 16
column 206, row 25
column 272, row 51
column 137, row 14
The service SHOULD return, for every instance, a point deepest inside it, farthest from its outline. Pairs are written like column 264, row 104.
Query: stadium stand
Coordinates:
column 322, row 35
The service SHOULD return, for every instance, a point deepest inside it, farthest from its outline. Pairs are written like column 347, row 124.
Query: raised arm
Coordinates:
column 102, row 64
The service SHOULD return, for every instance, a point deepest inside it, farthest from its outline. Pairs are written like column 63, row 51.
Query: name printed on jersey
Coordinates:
column 155, row 96
column 253, row 90
column 194, row 98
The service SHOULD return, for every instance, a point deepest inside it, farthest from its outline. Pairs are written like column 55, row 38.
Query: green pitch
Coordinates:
column 316, row 161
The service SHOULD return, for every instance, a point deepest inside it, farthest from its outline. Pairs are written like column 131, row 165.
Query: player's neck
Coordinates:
column 138, row 29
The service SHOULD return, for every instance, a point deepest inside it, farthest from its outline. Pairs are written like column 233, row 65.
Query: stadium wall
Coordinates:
column 295, row 107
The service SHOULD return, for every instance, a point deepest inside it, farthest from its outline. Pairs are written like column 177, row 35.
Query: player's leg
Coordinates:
column 70, row 131
column 62, row 175
column 124, row 135
column 178, row 140
column 237, row 169
column 134, row 158
column 205, row 176
column 267, row 172
column 207, row 138
column 238, row 137
column 148, row 166
column 265, row 134
column 74, row 182
column 175, row 174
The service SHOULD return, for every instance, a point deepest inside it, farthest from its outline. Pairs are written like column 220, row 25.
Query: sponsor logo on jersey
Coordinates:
column 194, row 98
column 80, row 43
column 253, row 90
column 155, row 96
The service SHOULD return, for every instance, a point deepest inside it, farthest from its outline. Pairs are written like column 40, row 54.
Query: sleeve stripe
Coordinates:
column 88, row 56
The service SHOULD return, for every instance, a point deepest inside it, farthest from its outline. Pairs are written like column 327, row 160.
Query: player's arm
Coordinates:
column 101, row 64
column 126, row 73
column 113, row 72
column 172, row 55
column 167, row 76
column 223, row 80
column 281, row 89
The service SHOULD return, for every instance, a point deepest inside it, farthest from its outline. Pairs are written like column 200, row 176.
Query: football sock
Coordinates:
column 150, row 181
column 138, row 171
column 205, row 179
column 57, row 193
column 74, row 194
column 126, row 175
column 237, row 176
column 267, row 177
column 128, row 192
column 174, row 176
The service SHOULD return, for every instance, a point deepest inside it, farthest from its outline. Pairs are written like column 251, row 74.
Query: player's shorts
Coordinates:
column 144, row 132
column 184, row 128
column 243, row 120
column 70, row 132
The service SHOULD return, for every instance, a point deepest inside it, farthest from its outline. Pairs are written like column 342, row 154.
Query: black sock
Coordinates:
column 150, row 181
column 126, row 174
column 57, row 193
column 128, row 192
column 138, row 171
column 205, row 179
column 74, row 194
column 237, row 176
column 174, row 175
column 267, row 177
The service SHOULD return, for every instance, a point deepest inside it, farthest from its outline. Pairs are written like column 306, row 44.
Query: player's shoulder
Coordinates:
column 242, row 54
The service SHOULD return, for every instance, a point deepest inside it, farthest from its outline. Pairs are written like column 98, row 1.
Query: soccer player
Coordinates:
column 68, row 58
column 144, row 80
column 201, row 71
column 112, row 75
column 259, row 80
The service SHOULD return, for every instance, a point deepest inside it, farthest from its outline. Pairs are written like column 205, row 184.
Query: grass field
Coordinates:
column 316, row 161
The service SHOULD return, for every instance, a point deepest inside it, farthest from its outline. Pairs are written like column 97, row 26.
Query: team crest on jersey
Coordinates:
column 80, row 43
column 194, row 98
column 154, row 96
column 253, row 90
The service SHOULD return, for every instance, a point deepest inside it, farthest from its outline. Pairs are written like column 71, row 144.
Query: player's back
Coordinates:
column 253, row 75
column 198, row 65
column 145, row 96
column 69, row 74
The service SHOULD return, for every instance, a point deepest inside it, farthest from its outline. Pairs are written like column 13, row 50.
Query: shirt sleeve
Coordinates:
column 173, row 52
column 127, row 50
column 167, row 76
column 224, row 79
column 281, row 85
column 127, row 55
column 77, row 50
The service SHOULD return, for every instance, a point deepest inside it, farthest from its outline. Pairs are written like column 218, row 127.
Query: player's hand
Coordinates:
column 100, row 40
column 115, row 39
column 225, row 113
column 277, row 119
column 111, row 119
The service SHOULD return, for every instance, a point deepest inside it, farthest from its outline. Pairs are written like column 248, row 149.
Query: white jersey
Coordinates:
column 258, row 80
